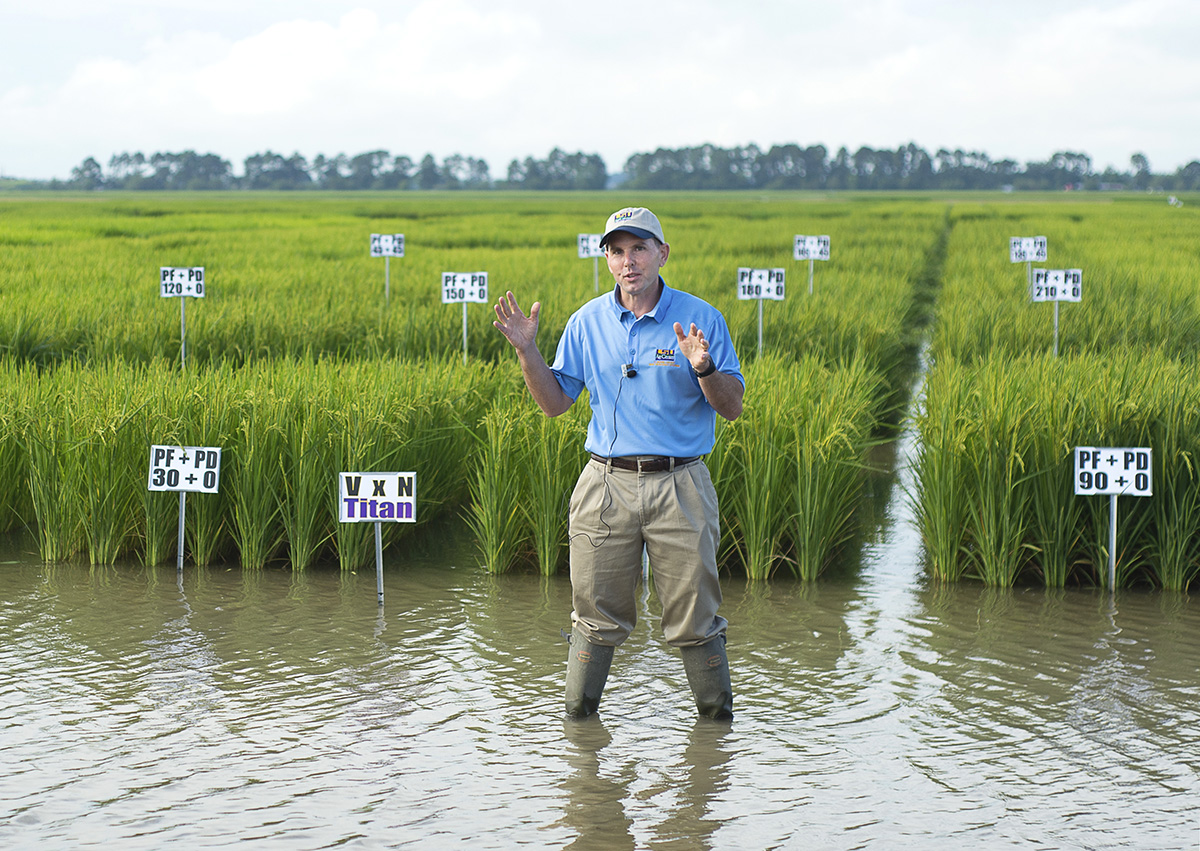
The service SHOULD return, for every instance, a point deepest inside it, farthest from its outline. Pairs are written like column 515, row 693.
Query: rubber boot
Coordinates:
column 587, row 671
column 707, row 670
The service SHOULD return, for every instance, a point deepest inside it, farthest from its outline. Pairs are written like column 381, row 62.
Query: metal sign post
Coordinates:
column 387, row 246
column 760, row 284
column 1056, row 285
column 183, row 469
column 464, row 287
column 589, row 246
column 810, row 248
column 1113, row 471
column 181, row 283
column 377, row 498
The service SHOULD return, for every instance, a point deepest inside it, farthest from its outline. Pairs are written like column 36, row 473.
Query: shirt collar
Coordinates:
column 664, row 301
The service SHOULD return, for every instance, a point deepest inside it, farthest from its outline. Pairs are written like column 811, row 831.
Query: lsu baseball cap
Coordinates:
column 635, row 220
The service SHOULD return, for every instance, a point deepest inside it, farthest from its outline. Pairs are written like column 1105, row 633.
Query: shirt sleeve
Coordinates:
column 568, row 360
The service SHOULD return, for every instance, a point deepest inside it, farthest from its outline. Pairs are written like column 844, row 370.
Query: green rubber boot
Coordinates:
column 707, row 670
column 587, row 671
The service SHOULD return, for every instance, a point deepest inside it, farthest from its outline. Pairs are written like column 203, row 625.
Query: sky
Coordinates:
column 509, row 79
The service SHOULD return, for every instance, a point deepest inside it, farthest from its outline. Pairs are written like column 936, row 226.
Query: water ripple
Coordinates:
column 291, row 712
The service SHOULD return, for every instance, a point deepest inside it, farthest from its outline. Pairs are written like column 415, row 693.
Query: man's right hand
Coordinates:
column 519, row 329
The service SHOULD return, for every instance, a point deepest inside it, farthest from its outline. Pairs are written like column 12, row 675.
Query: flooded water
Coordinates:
column 140, row 709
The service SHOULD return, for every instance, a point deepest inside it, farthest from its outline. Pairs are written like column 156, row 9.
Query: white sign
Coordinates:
column 760, row 283
column 185, row 468
column 1027, row 249
column 811, row 248
column 1123, row 471
column 589, row 246
column 184, row 282
column 464, row 286
column 1056, row 285
column 377, row 497
column 387, row 245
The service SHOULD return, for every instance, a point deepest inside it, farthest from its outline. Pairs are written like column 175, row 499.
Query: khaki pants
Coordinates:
column 674, row 514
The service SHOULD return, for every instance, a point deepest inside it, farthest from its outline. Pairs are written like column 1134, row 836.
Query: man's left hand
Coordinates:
column 694, row 347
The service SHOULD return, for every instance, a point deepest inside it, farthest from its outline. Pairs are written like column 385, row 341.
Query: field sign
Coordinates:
column 1113, row 472
column 181, row 282
column 195, row 469
column 1027, row 249
column 811, row 248
column 377, row 498
column 1123, row 471
column 589, row 246
column 464, row 287
column 185, row 468
column 760, row 283
column 1056, row 285
column 387, row 245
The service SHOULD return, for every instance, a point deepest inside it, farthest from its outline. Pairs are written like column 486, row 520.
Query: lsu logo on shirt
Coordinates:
column 664, row 357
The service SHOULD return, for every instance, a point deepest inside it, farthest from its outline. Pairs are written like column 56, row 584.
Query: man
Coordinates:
column 655, row 390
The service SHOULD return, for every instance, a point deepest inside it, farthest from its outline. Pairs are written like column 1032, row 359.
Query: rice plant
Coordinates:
column 494, row 512
column 830, row 441
column 555, row 457
column 254, row 478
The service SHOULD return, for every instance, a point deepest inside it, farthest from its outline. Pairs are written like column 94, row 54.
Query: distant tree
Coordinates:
column 1141, row 171
column 916, row 167
column 841, row 170
column 428, row 175
column 559, row 171
column 1187, row 179
column 367, row 170
column 127, row 170
column 398, row 174
column 784, row 167
column 87, row 175
column 273, row 171
column 459, row 172
column 189, row 170
column 330, row 173
column 1064, row 169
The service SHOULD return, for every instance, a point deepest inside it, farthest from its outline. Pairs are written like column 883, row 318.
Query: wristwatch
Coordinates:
column 712, row 367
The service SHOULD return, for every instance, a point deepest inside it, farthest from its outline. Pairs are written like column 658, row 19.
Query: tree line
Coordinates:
column 704, row 167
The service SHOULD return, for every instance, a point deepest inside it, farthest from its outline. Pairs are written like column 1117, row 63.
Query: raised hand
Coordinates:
column 693, row 345
column 518, row 329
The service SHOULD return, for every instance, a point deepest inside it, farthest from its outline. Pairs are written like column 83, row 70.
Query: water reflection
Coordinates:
column 594, row 809
column 138, row 710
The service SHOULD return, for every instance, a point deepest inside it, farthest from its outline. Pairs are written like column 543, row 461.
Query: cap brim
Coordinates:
column 640, row 233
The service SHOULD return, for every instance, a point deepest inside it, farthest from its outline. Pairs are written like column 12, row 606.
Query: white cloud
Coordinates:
column 502, row 79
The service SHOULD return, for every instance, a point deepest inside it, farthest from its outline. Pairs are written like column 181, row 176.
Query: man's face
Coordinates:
column 634, row 262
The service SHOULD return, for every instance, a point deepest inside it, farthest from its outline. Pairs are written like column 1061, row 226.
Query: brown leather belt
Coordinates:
column 645, row 463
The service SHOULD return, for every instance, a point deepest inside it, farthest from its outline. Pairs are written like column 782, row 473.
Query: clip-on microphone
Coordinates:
column 628, row 370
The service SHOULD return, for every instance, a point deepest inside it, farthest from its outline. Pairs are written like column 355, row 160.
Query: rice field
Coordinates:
column 1001, row 414
column 299, row 367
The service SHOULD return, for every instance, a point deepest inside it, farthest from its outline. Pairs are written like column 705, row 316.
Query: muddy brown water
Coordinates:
column 140, row 708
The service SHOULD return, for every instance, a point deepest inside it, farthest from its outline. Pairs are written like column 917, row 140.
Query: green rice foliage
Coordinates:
column 790, row 470
column 1139, row 264
column 79, row 448
column 995, row 472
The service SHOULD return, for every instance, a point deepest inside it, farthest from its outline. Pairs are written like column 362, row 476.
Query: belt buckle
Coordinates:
column 655, row 464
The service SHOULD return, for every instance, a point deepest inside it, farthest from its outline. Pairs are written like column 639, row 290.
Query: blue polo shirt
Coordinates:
column 661, row 410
